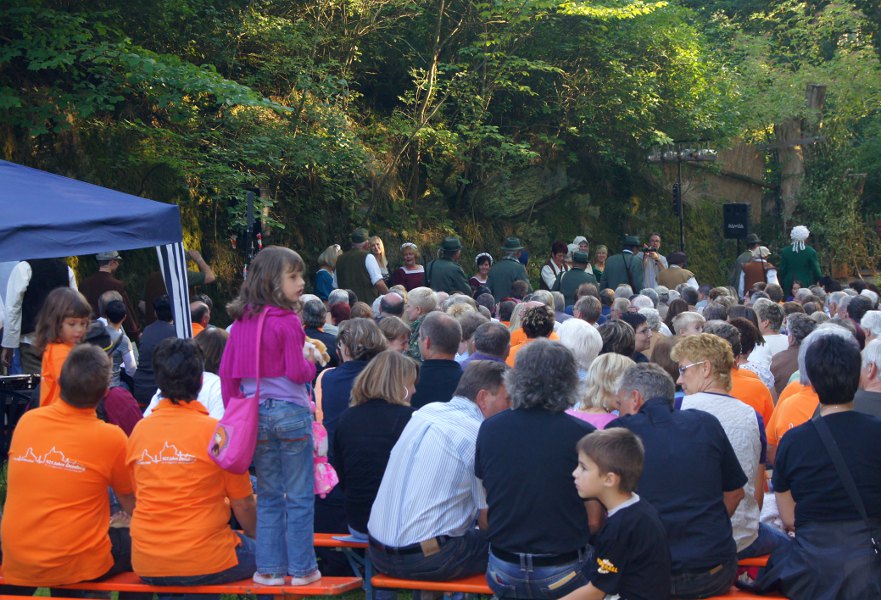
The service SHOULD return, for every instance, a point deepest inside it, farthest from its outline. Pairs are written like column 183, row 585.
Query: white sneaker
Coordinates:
column 310, row 578
column 263, row 579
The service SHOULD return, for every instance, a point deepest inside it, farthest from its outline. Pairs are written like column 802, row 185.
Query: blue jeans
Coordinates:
column 769, row 539
column 524, row 580
column 704, row 583
column 285, row 489
column 243, row 570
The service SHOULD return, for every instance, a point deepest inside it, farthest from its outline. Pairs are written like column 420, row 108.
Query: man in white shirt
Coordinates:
column 423, row 524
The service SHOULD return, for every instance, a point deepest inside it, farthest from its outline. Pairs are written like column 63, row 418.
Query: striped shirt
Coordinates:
column 429, row 487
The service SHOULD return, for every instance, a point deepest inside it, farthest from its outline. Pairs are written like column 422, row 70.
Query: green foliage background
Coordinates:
column 421, row 118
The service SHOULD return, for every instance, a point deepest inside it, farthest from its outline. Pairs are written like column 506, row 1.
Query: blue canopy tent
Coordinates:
column 49, row 216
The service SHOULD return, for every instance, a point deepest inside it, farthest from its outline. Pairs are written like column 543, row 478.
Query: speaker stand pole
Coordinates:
column 681, row 203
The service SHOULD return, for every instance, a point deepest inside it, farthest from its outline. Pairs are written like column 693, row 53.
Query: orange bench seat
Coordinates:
column 130, row 582
column 476, row 584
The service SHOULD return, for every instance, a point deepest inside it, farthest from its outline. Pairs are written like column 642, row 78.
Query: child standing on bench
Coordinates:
column 632, row 559
column 62, row 324
column 283, row 459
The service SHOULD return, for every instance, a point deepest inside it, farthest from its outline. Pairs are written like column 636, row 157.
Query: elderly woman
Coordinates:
column 358, row 342
column 538, row 528
column 836, row 521
column 871, row 324
column 705, row 364
column 325, row 278
column 583, row 340
column 368, row 429
column 598, row 396
column 536, row 321
column 411, row 274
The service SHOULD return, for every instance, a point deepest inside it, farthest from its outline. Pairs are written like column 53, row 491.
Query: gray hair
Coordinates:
column 872, row 354
column 822, row 330
column 651, row 295
column 338, row 296
column 314, row 313
column 623, row 291
column 663, row 293
column 652, row 317
column 802, row 295
column 871, row 296
column 727, row 332
column 543, row 296
column 621, row 305
column 800, row 326
column 835, row 298
column 766, row 310
column 872, row 321
column 650, row 380
column 544, row 376
column 582, row 339
column 819, row 316
column 559, row 301
column 588, row 308
column 642, row 301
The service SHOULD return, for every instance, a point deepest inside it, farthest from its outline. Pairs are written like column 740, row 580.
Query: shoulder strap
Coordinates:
column 844, row 473
column 319, row 411
column 257, row 352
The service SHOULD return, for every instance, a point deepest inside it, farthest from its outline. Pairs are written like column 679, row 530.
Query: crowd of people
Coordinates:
column 622, row 429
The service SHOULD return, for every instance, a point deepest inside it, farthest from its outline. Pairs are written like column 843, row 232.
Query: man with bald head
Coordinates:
column 200, row 316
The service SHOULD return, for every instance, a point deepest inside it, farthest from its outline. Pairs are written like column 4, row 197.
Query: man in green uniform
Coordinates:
column 444, row 274
column 798, row 262
column 506, row 271
column 752, row 242
column 625, row 267
column 569, row 281
column 357, row 270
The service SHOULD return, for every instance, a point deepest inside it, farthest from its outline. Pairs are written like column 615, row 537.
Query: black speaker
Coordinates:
column 735, row 221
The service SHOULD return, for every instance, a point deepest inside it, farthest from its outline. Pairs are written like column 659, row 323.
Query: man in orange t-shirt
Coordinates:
column 796, row 405
column 61, row 462
column 749, row 389
column 180, row 528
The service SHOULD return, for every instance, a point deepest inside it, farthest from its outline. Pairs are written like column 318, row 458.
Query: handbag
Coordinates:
column 235, row 436
column 326, row 476
column 845, row 476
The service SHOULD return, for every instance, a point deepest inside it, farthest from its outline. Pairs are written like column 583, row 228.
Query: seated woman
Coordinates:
column 411, row 274
column 705, row 364
column 832, row 555
column 368, row 429
column 212, row 341
column 358, row 342
column 597, row 399
column 180, row 527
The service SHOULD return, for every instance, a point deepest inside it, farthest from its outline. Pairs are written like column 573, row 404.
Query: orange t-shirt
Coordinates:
column 796, row 408
column 181, row 521
column 518, row 336
column 61, row 462
column 197, row 328
column 53, row 359
column 749, row 389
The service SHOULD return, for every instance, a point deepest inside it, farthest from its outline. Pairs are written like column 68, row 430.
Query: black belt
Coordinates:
column 538, row 560
column 411, row 549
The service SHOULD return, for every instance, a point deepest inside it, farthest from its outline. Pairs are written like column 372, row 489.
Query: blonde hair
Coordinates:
column 386, row 377
column 603, row 378
column 710, row 348
column 329, row 256
column 380, row 258
column 263, row 285
column 684, row 319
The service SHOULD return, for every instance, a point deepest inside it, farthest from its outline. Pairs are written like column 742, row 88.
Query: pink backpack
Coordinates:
column 326, row 476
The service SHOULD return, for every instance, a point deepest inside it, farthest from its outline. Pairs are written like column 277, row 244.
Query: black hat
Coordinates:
column 752, row 238
column 580, row 257
column 630, row 240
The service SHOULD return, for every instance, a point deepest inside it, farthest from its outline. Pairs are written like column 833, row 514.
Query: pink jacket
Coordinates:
column 281, row 351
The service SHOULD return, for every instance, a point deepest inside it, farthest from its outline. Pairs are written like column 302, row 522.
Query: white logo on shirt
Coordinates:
column 54, row 458
column 169, row 455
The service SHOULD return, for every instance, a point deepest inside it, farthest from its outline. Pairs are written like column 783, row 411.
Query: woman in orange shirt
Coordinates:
column 61, row 324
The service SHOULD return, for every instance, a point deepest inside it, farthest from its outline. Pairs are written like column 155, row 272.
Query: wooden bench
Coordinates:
column 477, row 584
column 130, row 582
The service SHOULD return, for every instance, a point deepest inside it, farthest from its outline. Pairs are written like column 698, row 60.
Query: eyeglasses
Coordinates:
column 683, row 369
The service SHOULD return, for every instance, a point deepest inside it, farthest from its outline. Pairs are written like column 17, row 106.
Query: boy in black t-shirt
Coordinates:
column 632, row 557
